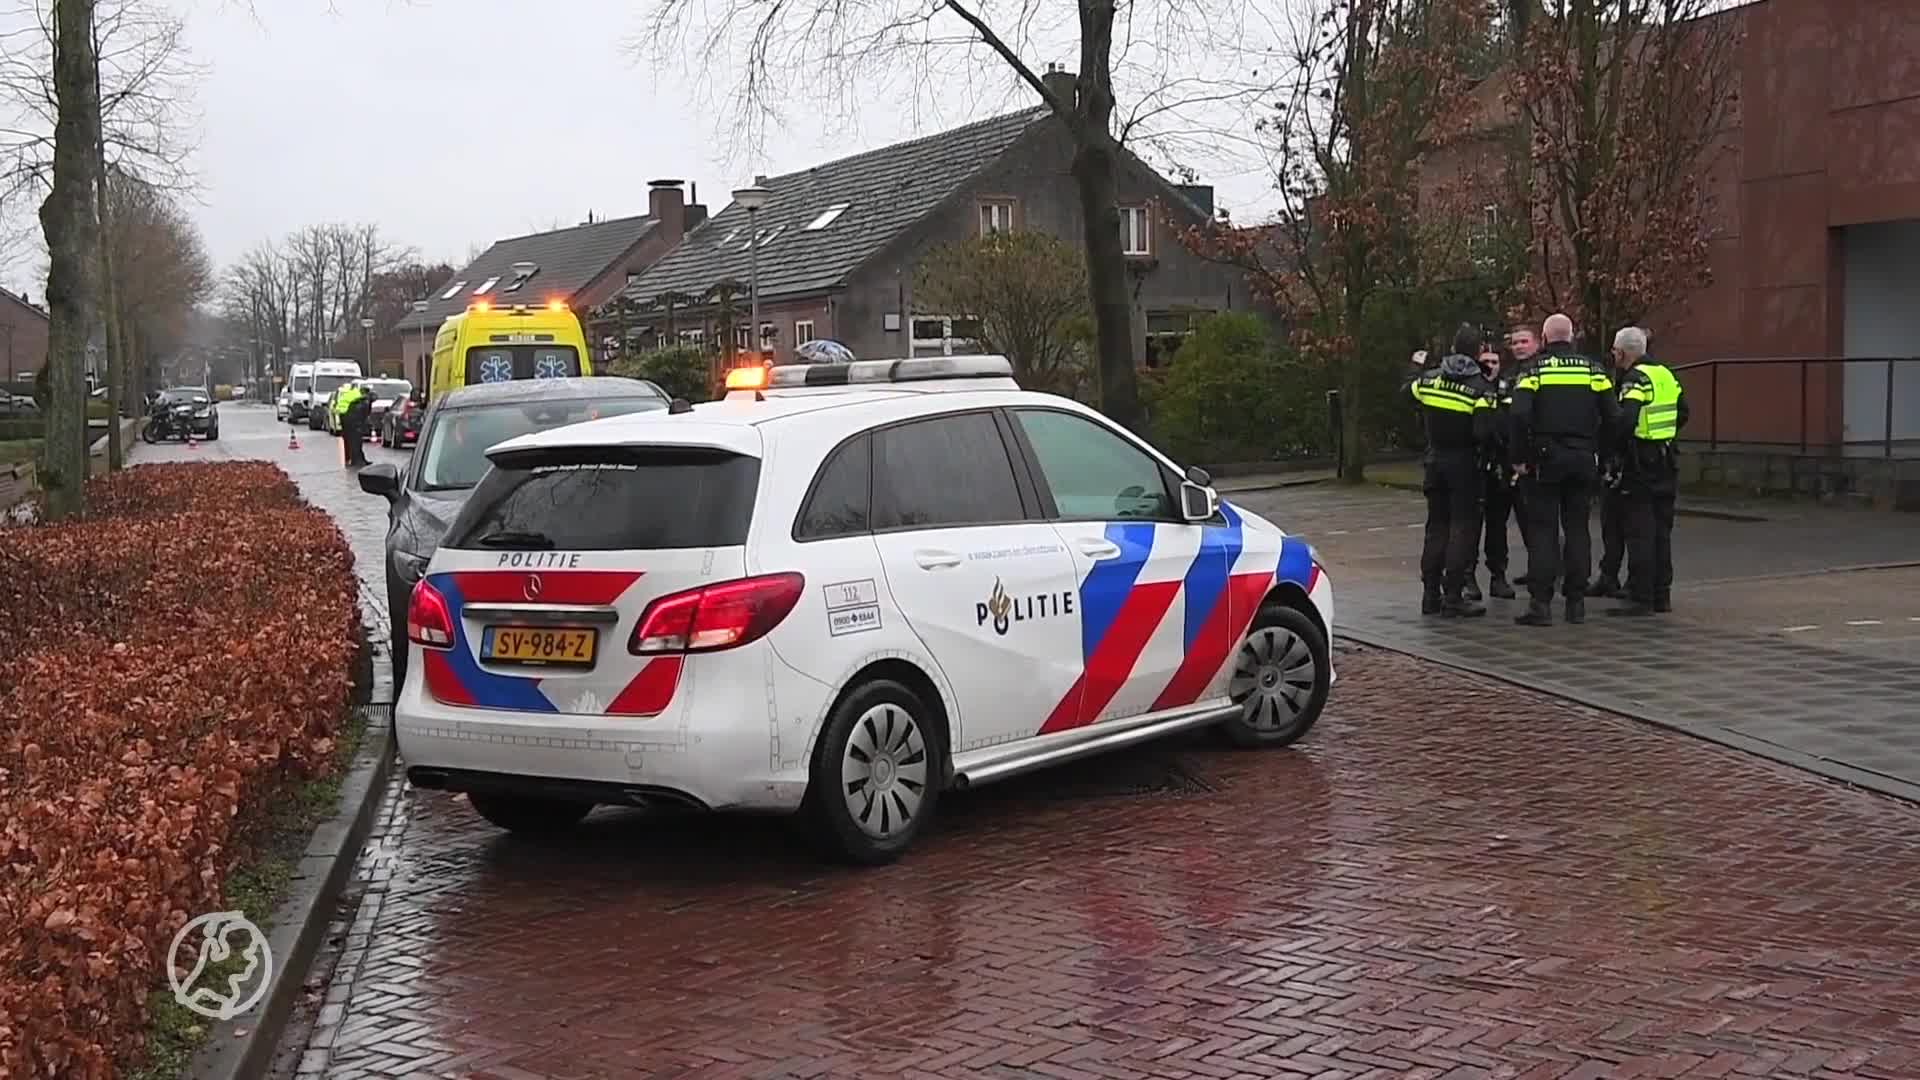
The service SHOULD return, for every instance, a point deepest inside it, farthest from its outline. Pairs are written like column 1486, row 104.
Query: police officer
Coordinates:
column 1497, row 479
column 1563, row 406
column 354, row 405
column 1653, row 409
column 1523, row 342
column 1456, row 407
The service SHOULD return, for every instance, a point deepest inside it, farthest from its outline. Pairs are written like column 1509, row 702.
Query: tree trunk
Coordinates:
column 110, row 312
column 67, row 220
column 1094, row 162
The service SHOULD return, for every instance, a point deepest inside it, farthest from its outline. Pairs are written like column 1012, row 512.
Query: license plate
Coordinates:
column 526, row 645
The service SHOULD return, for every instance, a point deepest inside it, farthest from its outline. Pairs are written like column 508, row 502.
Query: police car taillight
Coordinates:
column 429, row 623
column 714, row 617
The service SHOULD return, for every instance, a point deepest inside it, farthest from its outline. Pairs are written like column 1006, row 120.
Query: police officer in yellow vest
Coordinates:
column 1653, row 409
column 1457, row 405
column 350, row 407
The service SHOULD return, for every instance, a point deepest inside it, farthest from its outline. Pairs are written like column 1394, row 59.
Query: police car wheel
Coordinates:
column 876, row 774
column 1280, row 679
column 527, row 814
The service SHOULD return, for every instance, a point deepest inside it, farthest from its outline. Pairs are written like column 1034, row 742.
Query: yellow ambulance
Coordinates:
column 488, row 343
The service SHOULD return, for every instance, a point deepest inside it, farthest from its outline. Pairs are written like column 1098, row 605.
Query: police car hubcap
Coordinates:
column 1273, row 677
column 884, row 771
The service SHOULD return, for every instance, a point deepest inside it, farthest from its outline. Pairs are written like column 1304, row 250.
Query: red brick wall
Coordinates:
column 23, row 339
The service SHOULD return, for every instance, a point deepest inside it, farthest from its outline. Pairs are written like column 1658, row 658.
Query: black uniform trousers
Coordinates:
column 353, row 427
column 1559, row 504
column 1453, row 485
column 1613, row 533
column 1648, row 494
column 1502, row 502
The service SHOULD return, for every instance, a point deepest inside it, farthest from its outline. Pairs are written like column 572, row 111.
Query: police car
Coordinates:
column 841, row 591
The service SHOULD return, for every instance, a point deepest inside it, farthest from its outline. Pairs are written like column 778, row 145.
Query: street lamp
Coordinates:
column 367, row 325
column 420, row 309
column 752, row 199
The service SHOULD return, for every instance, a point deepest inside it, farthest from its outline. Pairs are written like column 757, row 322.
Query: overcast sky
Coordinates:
column 455, row 122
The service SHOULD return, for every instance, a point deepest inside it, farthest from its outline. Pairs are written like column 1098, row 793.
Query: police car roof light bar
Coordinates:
column 881, row 372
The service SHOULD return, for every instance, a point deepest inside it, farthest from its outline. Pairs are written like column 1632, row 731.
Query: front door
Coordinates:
column 1152, row 586
column 986, row 586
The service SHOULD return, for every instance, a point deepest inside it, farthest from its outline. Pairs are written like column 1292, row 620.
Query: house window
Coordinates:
column 827, row 217
column 1133, row 231
column 695, row 336
column 484, row 287
column 741, row 336
column 1483, row 239
column 1166, row 332
column 943, row 335
column 996, row 216
column 802, row 331
column 454, row 288
column 769, row 334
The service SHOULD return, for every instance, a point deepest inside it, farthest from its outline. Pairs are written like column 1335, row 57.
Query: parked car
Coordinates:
column 402, row 426
column 18, row 407
column 386, row 393
column 180, row 410
column 841, row 592
column 328, row 376
column 458, row 428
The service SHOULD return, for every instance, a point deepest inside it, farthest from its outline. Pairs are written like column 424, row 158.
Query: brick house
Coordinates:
column 1815, row 245
column 23, row 338
column 583, row 266
column 839, row 243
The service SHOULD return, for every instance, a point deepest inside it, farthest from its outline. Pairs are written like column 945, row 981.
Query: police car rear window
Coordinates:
column 609, row 500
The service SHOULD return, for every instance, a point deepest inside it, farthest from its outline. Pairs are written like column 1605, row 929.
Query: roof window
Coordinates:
column 827, row 217
column 454, row 288
column 486, row 286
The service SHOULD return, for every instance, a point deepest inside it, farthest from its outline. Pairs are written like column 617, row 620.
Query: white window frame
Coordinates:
column 827, row 217
column 695, row 336
column 992, row 211
column 802, row 331
column 1136, row 228
column 741, row 336
column 454, row 289
column 942, row 345
column 486, row 286
column 769, row 332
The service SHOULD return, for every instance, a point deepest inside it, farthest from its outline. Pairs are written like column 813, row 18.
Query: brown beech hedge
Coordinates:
column 168, row 665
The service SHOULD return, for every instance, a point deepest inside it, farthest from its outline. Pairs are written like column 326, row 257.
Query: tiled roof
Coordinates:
column 884, row 191
column 569, row 259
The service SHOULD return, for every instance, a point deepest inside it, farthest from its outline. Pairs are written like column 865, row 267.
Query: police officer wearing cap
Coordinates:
column 1563, row 408
column 1613, row 509
column 1457, row 406
column 1653, row 409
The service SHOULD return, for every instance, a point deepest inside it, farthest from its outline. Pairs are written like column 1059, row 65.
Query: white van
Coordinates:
column 328, row 375
column 294, row 398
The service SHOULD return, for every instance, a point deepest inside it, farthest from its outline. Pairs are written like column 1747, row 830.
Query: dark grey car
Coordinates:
column 450, row 459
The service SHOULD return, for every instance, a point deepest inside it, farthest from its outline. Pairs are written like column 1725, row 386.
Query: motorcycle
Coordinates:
column 168, row 422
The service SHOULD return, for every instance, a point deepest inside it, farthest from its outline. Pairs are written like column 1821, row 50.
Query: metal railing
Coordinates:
column 1744, row 401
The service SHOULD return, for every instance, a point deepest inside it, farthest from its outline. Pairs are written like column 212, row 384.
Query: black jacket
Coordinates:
column 1457, row 405
column 1562, row 400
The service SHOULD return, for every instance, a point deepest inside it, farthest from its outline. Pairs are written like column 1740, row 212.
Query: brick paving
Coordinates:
column 1451, row 878
column 1772, row 647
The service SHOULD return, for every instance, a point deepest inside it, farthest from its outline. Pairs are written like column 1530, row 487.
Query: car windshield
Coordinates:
column 183, row 395
column 327, row 384
column 388, row 389
column 301, row 383
column 453, row 451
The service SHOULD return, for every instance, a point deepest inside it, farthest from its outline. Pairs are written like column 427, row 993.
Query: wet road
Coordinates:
column 1449, row 878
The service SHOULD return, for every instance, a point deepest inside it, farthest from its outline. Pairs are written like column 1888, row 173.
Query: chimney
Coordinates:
column 1062, row 82
column 667, row 205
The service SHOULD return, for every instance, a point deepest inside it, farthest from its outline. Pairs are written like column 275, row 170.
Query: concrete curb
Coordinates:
column 244, row 1046
column 1681, row 510
column 1879, row 783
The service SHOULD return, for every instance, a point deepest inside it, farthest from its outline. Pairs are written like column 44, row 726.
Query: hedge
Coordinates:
column 168, row 665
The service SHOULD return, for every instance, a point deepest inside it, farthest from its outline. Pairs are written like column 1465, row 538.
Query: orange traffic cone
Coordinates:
column 293, row 438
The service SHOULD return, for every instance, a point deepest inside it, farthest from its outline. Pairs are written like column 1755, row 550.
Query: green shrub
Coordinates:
column 681, row 370
column 1232, row 394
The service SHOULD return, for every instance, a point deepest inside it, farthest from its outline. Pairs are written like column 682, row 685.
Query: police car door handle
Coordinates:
column 936, row 560
column 1098, row 549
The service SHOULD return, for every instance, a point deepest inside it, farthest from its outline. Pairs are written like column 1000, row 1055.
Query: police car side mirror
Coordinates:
column 1198, row 502
column 381, row 479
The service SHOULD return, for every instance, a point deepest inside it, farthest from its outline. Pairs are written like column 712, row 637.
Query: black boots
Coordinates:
column 1663, row 601
column 1635, row 608
column 1604, row 586
column 1457, row 605
column 1472, row 591
column 1576, row 609
column 1537, row 614
column 1430, row 601
column 1498, row 588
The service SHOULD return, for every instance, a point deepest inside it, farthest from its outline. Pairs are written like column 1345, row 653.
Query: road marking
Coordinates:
column 1416, row 525
column 1863, row 622
column 1378, row 528
column 1336, row 532
column 1796, row 629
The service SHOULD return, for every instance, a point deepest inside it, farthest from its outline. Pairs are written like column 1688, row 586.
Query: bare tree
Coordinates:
column 792, row 54
column 305, row 296
column 67, row 219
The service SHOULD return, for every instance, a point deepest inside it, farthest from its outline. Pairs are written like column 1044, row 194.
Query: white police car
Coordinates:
column 842, row 592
